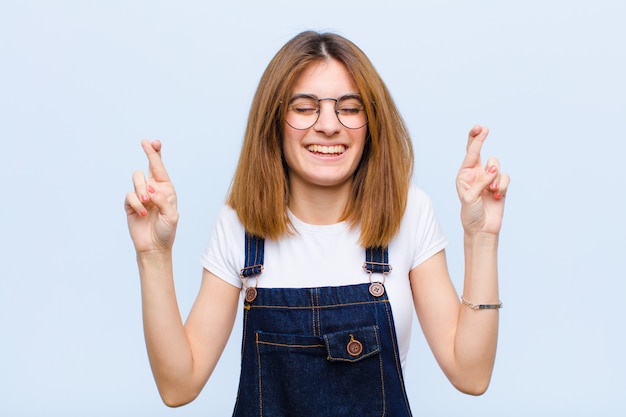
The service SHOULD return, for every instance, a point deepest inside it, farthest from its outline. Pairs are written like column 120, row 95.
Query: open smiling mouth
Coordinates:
column 326, row 150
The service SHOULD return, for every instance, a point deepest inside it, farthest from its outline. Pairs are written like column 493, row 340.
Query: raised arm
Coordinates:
column 463, row 338
column 182, row 357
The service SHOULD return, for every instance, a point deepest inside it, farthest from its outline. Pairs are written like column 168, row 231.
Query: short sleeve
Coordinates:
column 224, row 253
column 429, row 238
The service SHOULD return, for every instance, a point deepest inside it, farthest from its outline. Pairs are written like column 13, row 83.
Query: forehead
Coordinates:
column 328, row 78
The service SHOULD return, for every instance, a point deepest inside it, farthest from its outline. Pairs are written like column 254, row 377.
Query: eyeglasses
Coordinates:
column 304, row 111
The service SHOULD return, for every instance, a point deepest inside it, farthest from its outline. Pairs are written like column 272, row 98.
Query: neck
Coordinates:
column 319, row 205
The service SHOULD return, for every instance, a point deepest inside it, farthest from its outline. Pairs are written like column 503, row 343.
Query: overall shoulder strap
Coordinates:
column 377, row 260
column 254, row 247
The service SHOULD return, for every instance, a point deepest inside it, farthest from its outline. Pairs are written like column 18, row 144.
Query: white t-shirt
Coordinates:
column 329, row 255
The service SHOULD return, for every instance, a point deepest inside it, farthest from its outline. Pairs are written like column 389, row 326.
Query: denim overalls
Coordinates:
column 317, row 352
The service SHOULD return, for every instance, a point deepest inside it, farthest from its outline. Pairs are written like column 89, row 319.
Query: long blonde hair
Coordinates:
column 260, row 189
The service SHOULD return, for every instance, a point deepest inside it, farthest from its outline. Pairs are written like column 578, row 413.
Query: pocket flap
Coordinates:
column 352, row 345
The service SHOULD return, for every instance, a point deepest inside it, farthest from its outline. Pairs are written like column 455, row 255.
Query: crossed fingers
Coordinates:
column 144, row 188
column 490, row 177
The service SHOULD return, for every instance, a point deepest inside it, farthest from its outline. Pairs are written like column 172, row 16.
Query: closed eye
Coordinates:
column 304, row 105
column 304, row 110
column 347, row 111
column 349, row 105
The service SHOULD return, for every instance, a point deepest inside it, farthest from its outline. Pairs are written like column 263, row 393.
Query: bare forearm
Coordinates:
column 477, row 333
column 167, row 344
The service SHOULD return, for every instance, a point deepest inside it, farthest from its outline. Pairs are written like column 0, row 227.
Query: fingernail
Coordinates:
column 494, row 186
column 143, row 213
column 493, row 169
column 151, row 189
column 144, row 198
column 497, row 196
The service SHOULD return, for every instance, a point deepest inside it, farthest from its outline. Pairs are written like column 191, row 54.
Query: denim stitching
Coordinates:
column 243, row 347
column 395, row 354
column 376, row 351
column 256, row 253
column 317, row 312
column 245, row 327
column 312, row 312
column 260, row 342
column 382, row 380
column 319, row 306
column 258, row 353
column 247, row 249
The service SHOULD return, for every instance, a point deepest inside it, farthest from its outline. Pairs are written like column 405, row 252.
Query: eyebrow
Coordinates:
column 313, row 96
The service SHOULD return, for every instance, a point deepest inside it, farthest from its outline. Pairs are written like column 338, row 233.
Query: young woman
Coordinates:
column 331, row 247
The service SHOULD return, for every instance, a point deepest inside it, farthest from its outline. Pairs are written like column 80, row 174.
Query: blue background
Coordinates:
column 82, row 82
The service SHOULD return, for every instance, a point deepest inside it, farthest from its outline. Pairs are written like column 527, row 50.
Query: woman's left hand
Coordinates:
column 481, row 189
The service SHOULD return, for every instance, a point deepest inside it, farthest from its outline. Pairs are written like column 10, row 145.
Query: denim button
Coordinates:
column 354, row 347
column 377, row 289
column 250, row 294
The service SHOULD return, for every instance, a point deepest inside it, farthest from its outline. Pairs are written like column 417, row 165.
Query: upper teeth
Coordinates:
column 326, row 149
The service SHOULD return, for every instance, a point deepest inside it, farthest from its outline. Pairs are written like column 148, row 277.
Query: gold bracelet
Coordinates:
column 481, row 306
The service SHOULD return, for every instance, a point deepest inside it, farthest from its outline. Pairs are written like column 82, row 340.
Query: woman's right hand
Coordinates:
column 151, row 207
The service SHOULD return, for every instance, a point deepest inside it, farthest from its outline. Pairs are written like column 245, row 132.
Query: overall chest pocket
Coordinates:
column 336, row 374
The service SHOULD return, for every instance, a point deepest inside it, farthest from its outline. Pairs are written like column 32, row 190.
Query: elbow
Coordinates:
column 173, row 402
column 174, row 398
column 472, row 379
column 475, row 390
column 472, row 385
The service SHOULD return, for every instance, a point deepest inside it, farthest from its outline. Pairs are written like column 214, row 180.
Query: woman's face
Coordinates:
column 328, row 153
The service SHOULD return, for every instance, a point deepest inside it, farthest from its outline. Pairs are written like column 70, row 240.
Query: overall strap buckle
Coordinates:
column 377, row 261
column 253, row 267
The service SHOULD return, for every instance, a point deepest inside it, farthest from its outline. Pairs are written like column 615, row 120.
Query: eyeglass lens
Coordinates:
column 304, row 110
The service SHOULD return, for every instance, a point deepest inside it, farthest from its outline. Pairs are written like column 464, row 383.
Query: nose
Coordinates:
column 327, row 122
